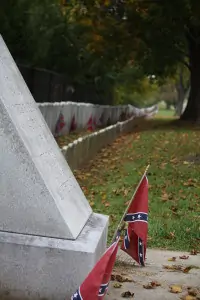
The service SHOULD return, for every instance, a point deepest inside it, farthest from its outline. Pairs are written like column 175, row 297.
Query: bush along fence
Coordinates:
column 65, row 117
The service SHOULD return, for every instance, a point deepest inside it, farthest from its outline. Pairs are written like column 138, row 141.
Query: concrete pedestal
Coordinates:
column 33, row 267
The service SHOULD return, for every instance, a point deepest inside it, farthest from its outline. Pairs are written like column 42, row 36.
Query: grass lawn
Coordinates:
column 164, row 113
column 174, row 177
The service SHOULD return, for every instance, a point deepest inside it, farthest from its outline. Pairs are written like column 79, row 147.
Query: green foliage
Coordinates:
column 112, row 45
column 67, row 39
column 140, row 93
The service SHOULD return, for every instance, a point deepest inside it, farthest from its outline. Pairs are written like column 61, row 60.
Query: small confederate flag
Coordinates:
column 135, row 240
column 73, row 124
column 60, row 123
column 96, row 283
column 90, row 124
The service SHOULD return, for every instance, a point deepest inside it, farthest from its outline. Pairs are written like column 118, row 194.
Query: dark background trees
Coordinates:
column 111, row 47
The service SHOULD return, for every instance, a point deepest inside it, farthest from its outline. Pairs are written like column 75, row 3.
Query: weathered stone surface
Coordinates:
column 41, row 268
column 38, row 192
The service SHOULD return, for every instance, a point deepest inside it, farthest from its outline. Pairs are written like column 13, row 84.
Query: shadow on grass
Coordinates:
column 168, row 124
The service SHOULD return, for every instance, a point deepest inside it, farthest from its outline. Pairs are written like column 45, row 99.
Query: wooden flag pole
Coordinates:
column 122, row 219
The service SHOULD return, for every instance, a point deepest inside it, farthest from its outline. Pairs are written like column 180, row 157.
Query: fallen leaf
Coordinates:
column 113, row 276
column 120, row 278
column 172, row 258
column 103, row 196
column 175, row 289
column 187, row 269
column 165, row 197
column 125, row 193
column 172, row 235
column 174, row 208
column 188, row 297
column 173, row 267
column 192, row 292
column 190, row 183
column 91, row 203
column 151, row 285
column 193, row 252
column 117, row 285
column 148, row 286
column 127, row 294
column 183, row 257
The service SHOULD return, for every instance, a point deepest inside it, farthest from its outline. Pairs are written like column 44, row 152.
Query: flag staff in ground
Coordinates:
column 122, row 225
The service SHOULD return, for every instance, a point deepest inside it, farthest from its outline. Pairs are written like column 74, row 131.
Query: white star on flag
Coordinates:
column 139, row 216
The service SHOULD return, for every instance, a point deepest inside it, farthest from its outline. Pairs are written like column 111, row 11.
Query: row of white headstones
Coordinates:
column 87, row 115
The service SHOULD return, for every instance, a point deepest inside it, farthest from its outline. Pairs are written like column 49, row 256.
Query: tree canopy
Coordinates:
column 115, row 45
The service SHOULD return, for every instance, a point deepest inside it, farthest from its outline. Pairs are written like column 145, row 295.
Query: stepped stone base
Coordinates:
column 34, row 267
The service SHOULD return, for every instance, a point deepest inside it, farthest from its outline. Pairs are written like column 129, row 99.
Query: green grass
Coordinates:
column 164, row 113
column 174, row 206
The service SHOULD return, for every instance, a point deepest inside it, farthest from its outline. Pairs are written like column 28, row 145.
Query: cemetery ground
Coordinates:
column 173, row 151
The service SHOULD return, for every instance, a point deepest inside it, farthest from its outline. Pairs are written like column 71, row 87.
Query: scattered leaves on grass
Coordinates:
column 151, row 285
column 170, row 235
column 116, row 170
column 165, row 197
column 175, row 289
column 91, row 203
column 190, row 183
column 127, row 294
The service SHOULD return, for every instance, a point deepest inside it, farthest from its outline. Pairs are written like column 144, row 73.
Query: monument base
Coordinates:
column 34, row 267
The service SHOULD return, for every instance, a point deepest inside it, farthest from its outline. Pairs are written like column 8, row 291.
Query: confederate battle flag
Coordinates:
column 90, row 124
column 96, row 283
column 60, row 123
column 135, row 240
column 73, row 124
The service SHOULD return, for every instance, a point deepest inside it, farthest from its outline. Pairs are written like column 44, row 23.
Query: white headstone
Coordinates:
column 38, row 193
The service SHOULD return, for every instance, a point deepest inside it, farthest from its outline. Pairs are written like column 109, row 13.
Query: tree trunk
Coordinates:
column 192, row 111
column 181, row 94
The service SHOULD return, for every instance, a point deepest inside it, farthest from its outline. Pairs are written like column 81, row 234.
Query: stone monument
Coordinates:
column 49, row 236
